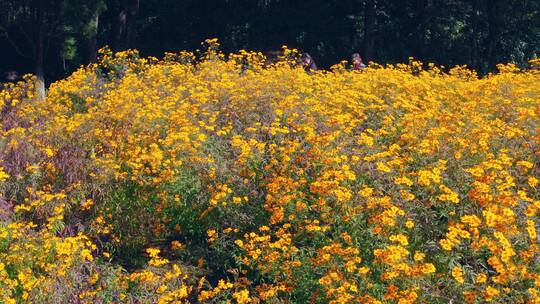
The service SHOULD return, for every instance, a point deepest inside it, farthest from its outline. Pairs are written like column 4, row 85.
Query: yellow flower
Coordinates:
column 85, row 253
column 3, row 175
column 457, row 273
column 409, row 224
column 400, row 238
column 429, row 268
column 383, row 167
column 242, row 296
column 481, row 278
column 531, row 230
column 366, row 192
column 532, row 181
column 87, row 204
column 403, row 181
column 419, row 256
column 490, row 293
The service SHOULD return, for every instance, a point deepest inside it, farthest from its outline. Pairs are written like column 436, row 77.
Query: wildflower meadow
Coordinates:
column 213, row 178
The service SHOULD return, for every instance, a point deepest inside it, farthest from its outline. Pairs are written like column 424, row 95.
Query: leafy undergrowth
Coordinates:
column 214, row 180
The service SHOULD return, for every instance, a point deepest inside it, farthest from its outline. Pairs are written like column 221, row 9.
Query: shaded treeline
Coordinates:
column 52, row 37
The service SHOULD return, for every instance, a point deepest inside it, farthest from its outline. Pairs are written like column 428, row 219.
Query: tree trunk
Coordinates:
column 473, row 52
column 369, row 29
column 131, row 26
column 495, row 30
column 125, row 25
column 118, row 30
column 40, row 81
column 91, row 41
column 39, row 49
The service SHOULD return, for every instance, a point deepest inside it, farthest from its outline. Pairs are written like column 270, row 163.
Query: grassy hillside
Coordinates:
column 228, row 181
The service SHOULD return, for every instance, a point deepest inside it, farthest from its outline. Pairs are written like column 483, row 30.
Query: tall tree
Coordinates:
column 477, row 32
column 475, row 19
column 124, row 27
column 81, row 29
column 369, row 29
column 92, row 30
column 37, row 22
column 131, row 25
column 495, row 24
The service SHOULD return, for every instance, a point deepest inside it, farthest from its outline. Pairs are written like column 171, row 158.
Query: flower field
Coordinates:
column 204, row 178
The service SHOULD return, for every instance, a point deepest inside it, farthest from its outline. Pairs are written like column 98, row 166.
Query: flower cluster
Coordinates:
column 213, row 178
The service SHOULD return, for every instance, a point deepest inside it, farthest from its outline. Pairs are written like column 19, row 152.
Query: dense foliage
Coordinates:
column 479, row 33
column 214, row 179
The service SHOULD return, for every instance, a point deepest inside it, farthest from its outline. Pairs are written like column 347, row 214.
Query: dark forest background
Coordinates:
column 53, row 37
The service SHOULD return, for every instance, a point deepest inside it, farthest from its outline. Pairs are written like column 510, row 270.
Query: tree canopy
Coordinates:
column 56, row 36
